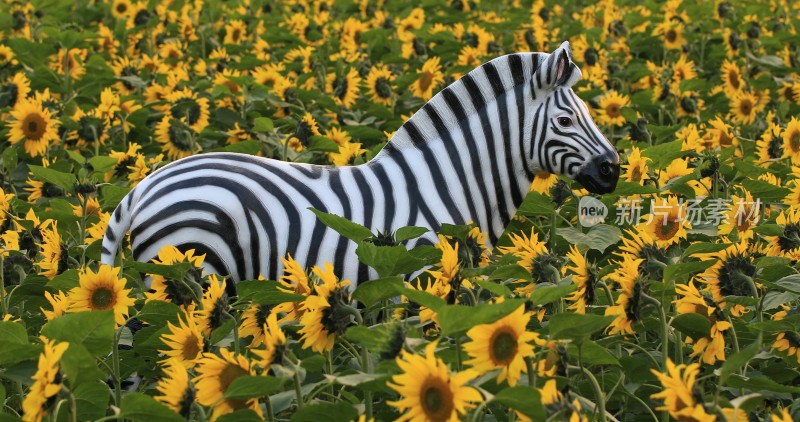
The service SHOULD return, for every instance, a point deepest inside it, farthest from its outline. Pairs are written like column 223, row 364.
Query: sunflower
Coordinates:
column 636, row 170
column 215, row 306
column 127, row 72
column 237, row 134
column 429, row 77
column 626, row 309
column 7, row 56
column 100, row 291
column 15, row 90
column 344, row 88
column 187, row 107
column 732, row 78
column 235, row 32
column 610, row 112
column 787, row 342
column 70, row 62
column 691, row 300
column 294, row 280
column 177, row 138
column 305, row 129
column 185, row 342
column 120, row 9
column 379, row 85
column 543, row 182
column 37, row 189
column 731, row 275
column 59, row 302
column 672, row 32
column 503, row 344
column 791, row 141
column 469, row 56
column 787, row 244
column 274, row 343
column 429, row 391
column 97, row 230
column 667, row 224
column 473, row 249
column 55, row 257
column 33, row 124
column 253, row 323
column 5, row 206
column 348, row 151
column 91, row 129
column 744, row 107
column 215, row 374
column 680, row 394
column 741, row 217
column 169, row 290
column 46, row 381
column 176, row 390
column 584, row 276
column 323, row 317
column 124, row 160
column 683, row 70
column 720, row 134
column 771, row 145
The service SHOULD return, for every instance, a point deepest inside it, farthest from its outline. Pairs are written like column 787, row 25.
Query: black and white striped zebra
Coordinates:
column 469, row 154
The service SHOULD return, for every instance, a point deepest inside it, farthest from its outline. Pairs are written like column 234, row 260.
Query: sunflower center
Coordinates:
column 503, row 347
column 102, row 298
column 792, row 338
column 668, row 229
column 188, row 108
column 671, row 35
column 191, row 347
column 34, row 126
column 791, row 237
column 612, row 110
column 141, row 18
column 733, row 77
column 340, row 87
column 591, row 56
column 383, row 88
column 122, row 8
column 746, row 107
column 425, row 81
column 725, row 139
column 775, row 149
column 730, row 276
column 636, row 174
column 436, row 399
column 794, row 140
column 8, row 95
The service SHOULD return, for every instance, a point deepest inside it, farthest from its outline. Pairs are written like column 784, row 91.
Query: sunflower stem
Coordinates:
column 598, row 392
column 458, row 353
column 329, row 370
column 115, row 361
column 297, row 390
column 236, row 346
column 531, row 372
column 3, row 302
column 73, row 408
column 270, row 412
column 662, row 317
column 365, row 366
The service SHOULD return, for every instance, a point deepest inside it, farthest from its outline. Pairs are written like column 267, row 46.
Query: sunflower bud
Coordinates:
column 560, row 192
column 639, row 132
column 709, row 167
column 724, row 9
column 382, row 239
column 393, row 341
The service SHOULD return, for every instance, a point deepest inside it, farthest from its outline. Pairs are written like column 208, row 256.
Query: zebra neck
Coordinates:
column 470, row 172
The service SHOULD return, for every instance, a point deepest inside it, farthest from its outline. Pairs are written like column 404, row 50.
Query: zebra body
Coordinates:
column 468, row 155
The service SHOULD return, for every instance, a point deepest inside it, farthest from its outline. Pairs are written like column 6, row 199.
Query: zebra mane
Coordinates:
column 464, row 97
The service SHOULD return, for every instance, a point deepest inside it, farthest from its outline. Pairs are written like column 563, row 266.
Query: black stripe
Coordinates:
column 388, row 196
column 335, row 182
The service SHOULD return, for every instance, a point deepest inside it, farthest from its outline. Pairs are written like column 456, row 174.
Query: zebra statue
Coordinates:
column 469, row 154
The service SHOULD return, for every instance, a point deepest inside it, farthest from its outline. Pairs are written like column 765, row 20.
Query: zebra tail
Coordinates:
column 118, row 226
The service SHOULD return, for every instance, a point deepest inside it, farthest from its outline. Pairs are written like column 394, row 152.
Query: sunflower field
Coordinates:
column 682, row 304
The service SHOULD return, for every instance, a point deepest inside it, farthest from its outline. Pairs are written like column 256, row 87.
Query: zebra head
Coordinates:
column 568, row 141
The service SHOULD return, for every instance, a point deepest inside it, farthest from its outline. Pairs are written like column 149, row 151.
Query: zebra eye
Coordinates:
column 565, row 121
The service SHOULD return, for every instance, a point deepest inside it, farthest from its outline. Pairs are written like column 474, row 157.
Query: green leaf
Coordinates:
column 93, row 330
column 737, row 361
column 263, row 124
column 456, row 319
column 102, row 163
column 112, row 195
column 325, row 412
column 13, row 353
column 250, row 146
column 765, row 191
column 249, row 386
column 760, row 383
column 790, row 283
column 682, row 271
column 265, row 292
column 354, row 380
column 63, row 180
column 663, row 154
column 577, row 326
column 599, row 237
column 157, row 312
column 543, row 294
column 10, row 159
column 523, row 399
column 592, row 353
column 389, row 260
column 373, row 291
column 410, row 232
column 536, row 204
column 241, row 415
column 496, row 288
column 769, row 230
column 385, row 339
column 12, row 333
column 343, row 226
column 92, row 400
column 322, row 144
column 702, row 247
column 80, row 366
column 423, row 298
column 629, row 114
column 139, row 407
column 174, row 271
column 625, row 188
column 695, row 326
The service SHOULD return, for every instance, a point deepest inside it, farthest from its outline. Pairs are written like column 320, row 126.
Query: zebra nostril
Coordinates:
column 605, row 169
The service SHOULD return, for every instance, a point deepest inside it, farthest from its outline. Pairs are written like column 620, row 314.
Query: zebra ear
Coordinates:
column 560, row 69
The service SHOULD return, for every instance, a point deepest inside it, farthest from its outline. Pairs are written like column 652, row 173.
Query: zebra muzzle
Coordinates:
column 600, row 175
